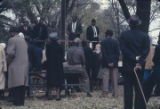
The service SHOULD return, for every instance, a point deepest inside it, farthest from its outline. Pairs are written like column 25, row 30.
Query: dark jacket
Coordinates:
column 110, row 52
column 40, row 32
column 72, row 35
column 88, row 56
column 27, row 32
column 55, row 58
column 90, row 34
column 156, row 68
column 134, row 43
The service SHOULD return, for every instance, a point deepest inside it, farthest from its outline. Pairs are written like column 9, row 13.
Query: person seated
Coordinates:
column 76, row 60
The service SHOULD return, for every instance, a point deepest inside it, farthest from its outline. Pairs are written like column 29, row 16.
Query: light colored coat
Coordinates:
column 3, row 67
column 149, row 60
column 18, row 68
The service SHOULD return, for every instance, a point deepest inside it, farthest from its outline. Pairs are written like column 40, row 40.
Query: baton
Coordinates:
column 140, row 87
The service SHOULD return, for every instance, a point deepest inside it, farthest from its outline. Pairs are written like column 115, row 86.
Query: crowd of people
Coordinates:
column 95, row 60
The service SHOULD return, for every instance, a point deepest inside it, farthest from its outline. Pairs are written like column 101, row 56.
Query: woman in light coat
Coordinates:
column 3, row 67
column 17, row 53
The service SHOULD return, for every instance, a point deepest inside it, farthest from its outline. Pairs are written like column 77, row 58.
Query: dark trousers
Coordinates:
column 148, row 87
column 157, row 90
column 35, row 57
column 19, row 95
column 131, row 85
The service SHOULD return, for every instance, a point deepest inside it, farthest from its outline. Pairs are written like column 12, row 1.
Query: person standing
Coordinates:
column 88, row 53
column 74, row 29
column 17, row 55
column 3, row 68
column 26, row 30
column 154, row 79
column 135, row 46
column 39, row 36
column 110, row 57
column 92, row 33
column 55, row 58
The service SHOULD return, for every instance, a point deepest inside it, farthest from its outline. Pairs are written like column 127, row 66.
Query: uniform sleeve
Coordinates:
column 145, row 50
column 117, row 50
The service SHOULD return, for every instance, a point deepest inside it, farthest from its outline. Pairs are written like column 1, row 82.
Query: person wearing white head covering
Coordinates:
column 3, row 66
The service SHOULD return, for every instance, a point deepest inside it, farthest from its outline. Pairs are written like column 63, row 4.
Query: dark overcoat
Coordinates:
column 54, row 55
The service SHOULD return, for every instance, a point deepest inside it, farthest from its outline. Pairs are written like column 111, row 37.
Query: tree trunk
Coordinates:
column 143, row 11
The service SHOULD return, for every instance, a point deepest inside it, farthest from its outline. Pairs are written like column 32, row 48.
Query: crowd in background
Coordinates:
column 96, row 59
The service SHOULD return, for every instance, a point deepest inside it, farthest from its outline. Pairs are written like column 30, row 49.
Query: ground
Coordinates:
column 78, row 101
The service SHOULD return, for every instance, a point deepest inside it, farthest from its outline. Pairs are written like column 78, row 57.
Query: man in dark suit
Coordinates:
column 110, row 57
column 26, row 30
column 93, row 32
column 74, row 29
column 135, row 46
column 40, row 34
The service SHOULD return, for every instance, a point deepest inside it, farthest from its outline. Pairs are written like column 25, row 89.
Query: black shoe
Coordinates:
column 88, row 94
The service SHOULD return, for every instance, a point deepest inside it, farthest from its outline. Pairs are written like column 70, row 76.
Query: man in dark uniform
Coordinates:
column 93, row 32
column 74, row 29
column 135, row 46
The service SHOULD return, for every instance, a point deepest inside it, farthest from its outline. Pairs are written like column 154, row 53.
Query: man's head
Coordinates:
column 13, row 31
column 74, row 18
column 93, row 22
column 109, row 33
column 76, row 42
column 134, row 21
column 25, row 23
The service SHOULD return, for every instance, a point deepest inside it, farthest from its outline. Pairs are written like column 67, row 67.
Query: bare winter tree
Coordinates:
column 143, row 8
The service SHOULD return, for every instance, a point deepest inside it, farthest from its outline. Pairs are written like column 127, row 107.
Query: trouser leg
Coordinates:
column 19, row 95
column 85, row 79
column 114, row 81
column 105, row 78
column 139, row 102
column 148, row 87
column 128, row 95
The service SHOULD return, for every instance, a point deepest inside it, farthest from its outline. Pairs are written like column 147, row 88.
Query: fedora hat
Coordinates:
column 134, row 20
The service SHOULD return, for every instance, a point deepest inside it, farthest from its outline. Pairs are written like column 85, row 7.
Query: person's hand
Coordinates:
column 138, row 67
column 137, row 58
column 111, row 65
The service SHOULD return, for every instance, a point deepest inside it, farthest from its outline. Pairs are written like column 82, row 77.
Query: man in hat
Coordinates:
column 110, row 57
column 92, row 33
column 135, row 46
column 76, row 60
column 17, row 53
column 74, row 29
